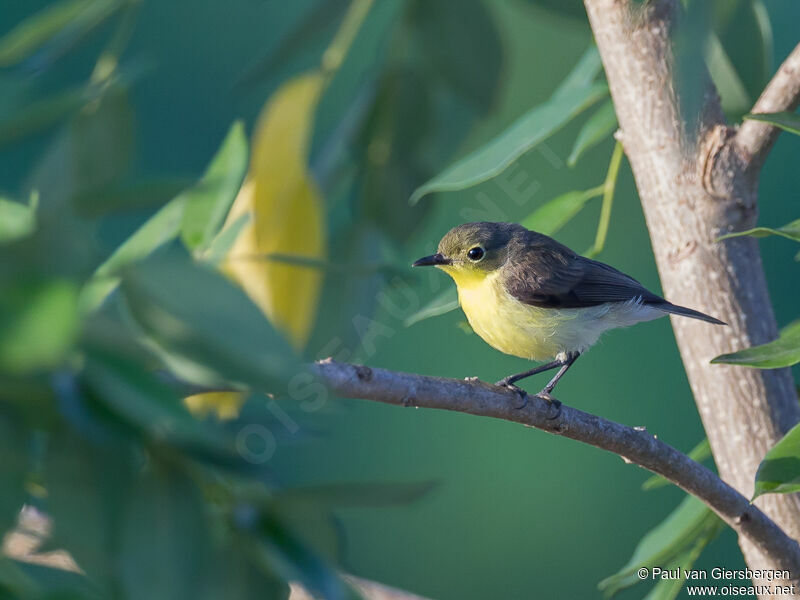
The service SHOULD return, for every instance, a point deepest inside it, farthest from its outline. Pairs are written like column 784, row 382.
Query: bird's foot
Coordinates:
column 522, row 394
column 555, row 404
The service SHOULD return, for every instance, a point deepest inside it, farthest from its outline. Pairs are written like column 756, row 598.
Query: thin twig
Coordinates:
column 633, row 445
column 755, row 138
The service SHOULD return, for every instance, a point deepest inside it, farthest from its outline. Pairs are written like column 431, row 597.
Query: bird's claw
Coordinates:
column 523, row 395
column 556, row 404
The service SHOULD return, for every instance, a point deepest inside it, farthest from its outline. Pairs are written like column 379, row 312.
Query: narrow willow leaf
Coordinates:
column 668, row 589
column 779, row 472
column 87, row 486
column 599, row 126
column 37, row 30
column 161, row 228
column 790, row 231
column 287, row 216
column 443, row 303
column 148, row 405
column 574, row 95
column 785, row 120
column 38, row 324
column 15, row 460
column 41, row 114
column 733, row 93
column 207, row 203
column 157, row 231
column 163, row 537
column 783, row 352
column 670, row 541
column 554, row 214
column 217, row 339
column 17, row 220
column 284, row 553
column 699, row 453
column 583, row 73
column 221, row 245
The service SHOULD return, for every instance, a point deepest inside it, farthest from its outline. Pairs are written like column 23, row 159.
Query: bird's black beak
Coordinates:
column 433, row 259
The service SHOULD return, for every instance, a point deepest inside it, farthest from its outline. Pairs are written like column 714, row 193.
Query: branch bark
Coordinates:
column 634, row 445
column 756, row 138
column 694, row 188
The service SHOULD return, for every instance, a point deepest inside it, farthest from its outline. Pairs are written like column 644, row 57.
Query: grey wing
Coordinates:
column 560, row 279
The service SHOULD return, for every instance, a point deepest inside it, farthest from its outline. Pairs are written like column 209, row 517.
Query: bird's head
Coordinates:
column 470, row 252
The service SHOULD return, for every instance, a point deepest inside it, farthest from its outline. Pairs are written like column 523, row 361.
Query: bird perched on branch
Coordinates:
column 527, row 295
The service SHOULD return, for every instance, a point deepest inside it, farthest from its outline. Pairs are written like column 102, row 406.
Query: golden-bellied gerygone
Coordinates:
column 527, row 295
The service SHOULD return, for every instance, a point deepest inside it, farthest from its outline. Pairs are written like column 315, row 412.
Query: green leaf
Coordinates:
column 42, row 114
column 448, row 33
column 779, row 472
column 219, row 247
column 14, row 582
column 26, row 580
column 161, row 228
column 573, row 96
column 691, row 524
column 205, row 328
column 90, row 153
column 790, row 231
column 699, row 453
column 163, row 537
column 284, row 554
column 668, row 589
column 38, row 324
column 443, row 303
column 752, row 62
column 87, row 487
column 597, row 128
column 17, row 220
column 151, row 407
column 14, row 458
column 783, row 352
column 785, row 120
column 157, row 231
column 734, row 97
column 207, row 203
column 554, row 214
column 37, row 30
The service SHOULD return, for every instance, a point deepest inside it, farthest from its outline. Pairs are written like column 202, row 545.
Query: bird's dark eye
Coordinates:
column 475, row 254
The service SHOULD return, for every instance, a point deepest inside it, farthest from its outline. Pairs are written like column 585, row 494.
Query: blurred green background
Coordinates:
column 516, row 513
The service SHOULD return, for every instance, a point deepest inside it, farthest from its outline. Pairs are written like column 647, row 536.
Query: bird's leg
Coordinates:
column 511, row 379
column 508, row 382
column 567, row 363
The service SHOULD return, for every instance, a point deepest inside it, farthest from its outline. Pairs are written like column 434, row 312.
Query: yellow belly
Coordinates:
column 507, row 324
column 536, row 333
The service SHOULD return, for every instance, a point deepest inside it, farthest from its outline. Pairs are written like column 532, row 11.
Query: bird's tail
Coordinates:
column 686, row 312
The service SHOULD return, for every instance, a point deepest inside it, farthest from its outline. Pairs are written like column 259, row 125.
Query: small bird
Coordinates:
column 527, row 295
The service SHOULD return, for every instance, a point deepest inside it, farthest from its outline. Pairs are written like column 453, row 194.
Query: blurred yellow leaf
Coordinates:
column 286, row 212
column 225, row 405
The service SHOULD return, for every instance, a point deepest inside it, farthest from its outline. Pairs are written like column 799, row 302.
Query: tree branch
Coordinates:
column 634, row 445
column 756, row 138
column 694, row 186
